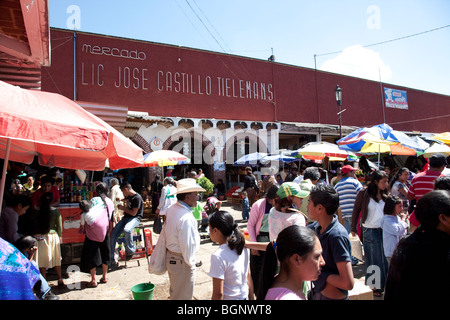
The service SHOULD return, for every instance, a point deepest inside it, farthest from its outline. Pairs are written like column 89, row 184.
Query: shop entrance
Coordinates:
column 200, row 155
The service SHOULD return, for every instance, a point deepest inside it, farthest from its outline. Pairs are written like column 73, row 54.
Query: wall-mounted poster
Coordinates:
column 395, row 99
column 219, row 166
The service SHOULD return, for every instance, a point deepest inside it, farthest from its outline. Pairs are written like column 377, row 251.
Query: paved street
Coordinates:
column 120, row 281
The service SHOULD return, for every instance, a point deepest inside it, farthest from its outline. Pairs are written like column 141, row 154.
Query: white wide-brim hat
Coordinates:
column 188, row 185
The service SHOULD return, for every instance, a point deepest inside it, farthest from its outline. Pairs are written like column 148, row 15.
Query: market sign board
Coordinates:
column 395, row 99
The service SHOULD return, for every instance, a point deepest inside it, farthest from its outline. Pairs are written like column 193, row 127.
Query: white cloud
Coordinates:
column 360, row 62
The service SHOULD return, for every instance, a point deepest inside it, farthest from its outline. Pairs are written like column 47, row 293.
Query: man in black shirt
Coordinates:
column 133, row 213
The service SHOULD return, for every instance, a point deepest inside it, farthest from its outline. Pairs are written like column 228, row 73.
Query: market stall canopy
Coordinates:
column 444, row 137
column 164, row 158
column 437, row 148
column 319, row 150
column 380, row 139
column 253, row 158
column 59, row 132
column 278, row 157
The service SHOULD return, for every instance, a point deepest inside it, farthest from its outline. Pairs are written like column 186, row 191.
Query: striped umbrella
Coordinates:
column 318, row 150
column 380, row 139
column 163, row 158
column 250, row 159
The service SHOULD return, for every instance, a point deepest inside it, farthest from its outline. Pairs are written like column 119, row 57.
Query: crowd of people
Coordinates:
column 382, row 211
column 299, row 229
column 31, row 224
column 35, row 236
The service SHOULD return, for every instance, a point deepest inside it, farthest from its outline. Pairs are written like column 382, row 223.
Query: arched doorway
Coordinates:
column 197, row 148
column 238, row 145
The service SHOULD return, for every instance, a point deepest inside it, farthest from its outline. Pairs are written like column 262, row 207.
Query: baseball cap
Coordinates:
column 347, row 168
column 437, row 160
column 291, row 189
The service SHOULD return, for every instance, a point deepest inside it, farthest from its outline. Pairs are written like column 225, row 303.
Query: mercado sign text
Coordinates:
column 128, row 76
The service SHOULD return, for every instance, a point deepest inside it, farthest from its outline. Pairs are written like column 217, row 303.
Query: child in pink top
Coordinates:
column 299, row 253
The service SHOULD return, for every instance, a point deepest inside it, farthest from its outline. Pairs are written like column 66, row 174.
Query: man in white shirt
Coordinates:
column 182, row 240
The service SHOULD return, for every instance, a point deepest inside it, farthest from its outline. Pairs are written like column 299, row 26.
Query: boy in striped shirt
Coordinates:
column 347, row 188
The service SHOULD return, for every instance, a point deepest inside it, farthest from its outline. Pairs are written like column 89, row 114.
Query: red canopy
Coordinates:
column 60, row 133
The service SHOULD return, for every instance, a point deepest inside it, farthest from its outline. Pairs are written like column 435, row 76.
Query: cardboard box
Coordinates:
column 360, row 291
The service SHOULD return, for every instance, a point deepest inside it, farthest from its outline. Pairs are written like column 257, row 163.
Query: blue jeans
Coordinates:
column 126, row 225
column 347, row 223
column 376, row 263
column 44, row 288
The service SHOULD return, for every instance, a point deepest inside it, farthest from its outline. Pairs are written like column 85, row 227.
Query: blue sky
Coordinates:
column 296, row 30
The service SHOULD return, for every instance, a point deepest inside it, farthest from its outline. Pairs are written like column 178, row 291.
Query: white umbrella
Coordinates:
column 320, row 150
column 278, row 157
column 437, row 148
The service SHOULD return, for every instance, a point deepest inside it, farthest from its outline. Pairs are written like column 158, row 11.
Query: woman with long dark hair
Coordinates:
column 230, row 262
column 95, row 224
column 370, row 203
column 298, row 253
column 399, row 186
column 49, row 231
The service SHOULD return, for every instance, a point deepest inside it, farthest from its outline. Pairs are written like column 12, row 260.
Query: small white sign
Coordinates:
column 156, row 144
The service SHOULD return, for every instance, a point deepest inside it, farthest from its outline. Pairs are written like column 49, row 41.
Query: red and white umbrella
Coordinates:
column 319, row 150
column 59, row 132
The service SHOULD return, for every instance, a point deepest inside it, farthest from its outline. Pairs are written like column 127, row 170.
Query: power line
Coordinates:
column 387, row 41
column 206, row 27
column 193, row 25
column 217, row 32
column 423, row 119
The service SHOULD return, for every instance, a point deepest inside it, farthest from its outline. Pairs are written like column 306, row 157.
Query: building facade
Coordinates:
column 215, row 107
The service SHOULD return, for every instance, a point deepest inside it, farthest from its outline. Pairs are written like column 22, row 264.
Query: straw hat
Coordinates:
column 188, row 185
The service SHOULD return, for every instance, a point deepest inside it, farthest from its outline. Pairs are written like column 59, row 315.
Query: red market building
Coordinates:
column 215, row 107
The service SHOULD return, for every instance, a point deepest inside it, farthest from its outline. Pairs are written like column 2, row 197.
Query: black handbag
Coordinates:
column 157, row 224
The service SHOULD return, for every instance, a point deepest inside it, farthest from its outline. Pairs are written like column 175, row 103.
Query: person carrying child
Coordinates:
column 96, row 224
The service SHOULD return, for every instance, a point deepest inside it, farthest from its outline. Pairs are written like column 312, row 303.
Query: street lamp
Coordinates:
column 338, row 92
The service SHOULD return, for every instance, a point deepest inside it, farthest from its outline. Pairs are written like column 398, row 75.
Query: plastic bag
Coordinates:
column 157, row 263
column 357, row 248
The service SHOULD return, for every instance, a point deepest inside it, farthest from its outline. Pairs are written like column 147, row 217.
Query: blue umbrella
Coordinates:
column 250, row 159
column 378, row 139
column 279, row 157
